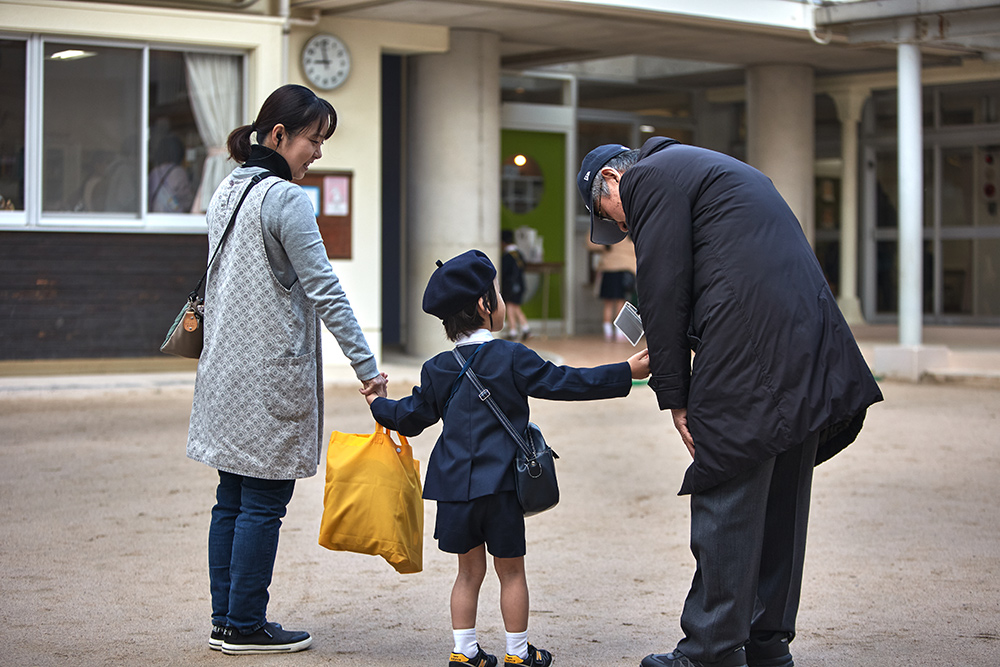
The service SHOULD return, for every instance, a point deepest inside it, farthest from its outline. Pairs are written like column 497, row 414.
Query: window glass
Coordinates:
column 176, row 150
column 591, row 134
column 536, row 90
column 887, row 277
column 195, row 101
column 887, row 111
column 970, row 104
column 90, row 129
column 887, row 189
column 12, row 83
column 956, row 187
column 522, row 183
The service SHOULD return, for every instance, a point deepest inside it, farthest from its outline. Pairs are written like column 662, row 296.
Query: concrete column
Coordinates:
column 910, row 360
column 781, row 113
column 849, row 106
column 911, row 185
column 453, row 168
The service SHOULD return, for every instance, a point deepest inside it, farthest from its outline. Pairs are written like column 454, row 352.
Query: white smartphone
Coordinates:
column 629, row 323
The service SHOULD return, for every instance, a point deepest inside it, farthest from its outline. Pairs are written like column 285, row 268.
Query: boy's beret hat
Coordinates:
column 457, row 283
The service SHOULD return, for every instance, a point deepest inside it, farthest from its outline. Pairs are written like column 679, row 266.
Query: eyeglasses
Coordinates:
column 600, row 214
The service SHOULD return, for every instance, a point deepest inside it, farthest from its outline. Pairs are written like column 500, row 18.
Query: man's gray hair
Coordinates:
column 621, row 164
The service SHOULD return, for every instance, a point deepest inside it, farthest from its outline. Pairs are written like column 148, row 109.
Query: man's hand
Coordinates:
column 680, row 416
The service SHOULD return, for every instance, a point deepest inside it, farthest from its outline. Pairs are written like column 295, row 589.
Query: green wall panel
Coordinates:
column 548, row 150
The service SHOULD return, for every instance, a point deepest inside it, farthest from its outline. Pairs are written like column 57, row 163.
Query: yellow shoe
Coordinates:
column 536, row 658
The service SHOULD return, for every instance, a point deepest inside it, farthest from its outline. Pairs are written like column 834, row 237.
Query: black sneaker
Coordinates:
column 269, row 639
column 677, row 659
column 536, row 658
column 769, row 650
column 220, row 633
column 482, row 659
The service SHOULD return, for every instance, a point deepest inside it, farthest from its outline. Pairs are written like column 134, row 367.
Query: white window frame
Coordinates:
column 32, row 218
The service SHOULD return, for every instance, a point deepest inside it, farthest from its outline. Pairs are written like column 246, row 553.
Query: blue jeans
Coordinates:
column 242, row 543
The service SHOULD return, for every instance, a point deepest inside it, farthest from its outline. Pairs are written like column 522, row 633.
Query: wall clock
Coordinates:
column 326, row 61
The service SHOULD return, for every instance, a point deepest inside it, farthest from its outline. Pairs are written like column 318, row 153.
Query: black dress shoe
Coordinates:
column 769, row 650
column 677, row 659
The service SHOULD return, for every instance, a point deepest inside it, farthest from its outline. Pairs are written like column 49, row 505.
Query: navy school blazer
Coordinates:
column 474, row 455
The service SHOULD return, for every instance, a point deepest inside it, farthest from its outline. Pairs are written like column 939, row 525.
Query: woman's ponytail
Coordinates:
column 239, row 143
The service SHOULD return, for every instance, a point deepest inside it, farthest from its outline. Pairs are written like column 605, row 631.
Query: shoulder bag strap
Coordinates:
column 253, row 181
column 484, row 396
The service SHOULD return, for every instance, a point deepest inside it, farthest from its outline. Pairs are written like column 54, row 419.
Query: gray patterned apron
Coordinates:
column 257, row 407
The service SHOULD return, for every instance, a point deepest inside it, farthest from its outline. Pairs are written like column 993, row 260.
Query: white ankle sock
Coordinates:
column 609, row 331
column 465, row 642
column 517, row 644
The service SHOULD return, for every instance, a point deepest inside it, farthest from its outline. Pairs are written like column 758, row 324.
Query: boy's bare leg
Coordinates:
column 465, row 593
column 513, row 593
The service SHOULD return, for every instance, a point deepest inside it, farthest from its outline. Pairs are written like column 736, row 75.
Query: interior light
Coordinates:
column 520, row 160
column 647, row 129
column 71, row 54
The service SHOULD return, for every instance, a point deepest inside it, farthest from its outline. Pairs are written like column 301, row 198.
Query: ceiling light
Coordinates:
column 71, row 54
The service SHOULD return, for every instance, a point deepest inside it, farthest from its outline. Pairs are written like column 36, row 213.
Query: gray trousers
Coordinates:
column 748, row 537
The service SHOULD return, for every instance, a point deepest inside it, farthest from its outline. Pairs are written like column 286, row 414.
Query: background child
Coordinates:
column 512, row 286
column 470, row 471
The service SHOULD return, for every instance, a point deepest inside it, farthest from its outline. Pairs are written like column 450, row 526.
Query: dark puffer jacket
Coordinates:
column 725, row 270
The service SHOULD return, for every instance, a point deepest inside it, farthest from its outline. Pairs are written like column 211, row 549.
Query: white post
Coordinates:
column 849, row 104
column 911, row 175
column 910, row 359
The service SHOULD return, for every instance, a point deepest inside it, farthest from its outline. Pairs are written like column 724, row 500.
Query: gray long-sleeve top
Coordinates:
column 295, row 251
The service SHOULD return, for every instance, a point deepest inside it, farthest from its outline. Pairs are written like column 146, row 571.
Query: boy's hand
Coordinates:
column 639, row 364
column 375, row 387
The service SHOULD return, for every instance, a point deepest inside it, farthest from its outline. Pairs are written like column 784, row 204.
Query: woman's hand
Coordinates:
column 375, row 387
column 639, row 364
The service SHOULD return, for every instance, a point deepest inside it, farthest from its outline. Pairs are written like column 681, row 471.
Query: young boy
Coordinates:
column 470, row 472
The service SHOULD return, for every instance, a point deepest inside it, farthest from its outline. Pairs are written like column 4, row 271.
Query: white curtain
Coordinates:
column 214, row 84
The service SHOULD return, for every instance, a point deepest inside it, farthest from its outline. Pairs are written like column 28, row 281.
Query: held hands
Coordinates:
column 639, row 364
column 375, row 387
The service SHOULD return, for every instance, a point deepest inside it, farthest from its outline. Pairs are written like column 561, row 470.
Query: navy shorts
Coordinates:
column 496, row 520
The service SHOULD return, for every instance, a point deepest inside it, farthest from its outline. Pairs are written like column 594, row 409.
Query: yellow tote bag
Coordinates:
column 372, row 503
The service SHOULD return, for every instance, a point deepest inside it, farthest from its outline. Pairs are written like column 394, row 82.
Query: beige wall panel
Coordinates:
column 356, row 147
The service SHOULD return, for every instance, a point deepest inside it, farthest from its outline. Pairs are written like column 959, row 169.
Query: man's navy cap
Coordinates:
column 458, row 283
column 601, row 231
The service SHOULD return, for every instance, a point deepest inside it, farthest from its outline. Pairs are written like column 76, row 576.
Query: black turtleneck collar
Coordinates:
column 262, row 156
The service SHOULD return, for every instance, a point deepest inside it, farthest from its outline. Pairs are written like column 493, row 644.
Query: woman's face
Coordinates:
column 299, row 150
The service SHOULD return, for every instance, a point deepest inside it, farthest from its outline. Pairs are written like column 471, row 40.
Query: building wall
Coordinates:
column 355, row 147
column 79, row 295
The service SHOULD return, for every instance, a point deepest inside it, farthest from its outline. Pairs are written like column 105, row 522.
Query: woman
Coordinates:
column 258, row 403
column 616, row 271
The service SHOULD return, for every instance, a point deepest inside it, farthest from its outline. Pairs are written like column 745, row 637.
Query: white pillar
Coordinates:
column 911, row 186
column 781, row 132
column 453, row 168
column 910, row 359
column 849, row 105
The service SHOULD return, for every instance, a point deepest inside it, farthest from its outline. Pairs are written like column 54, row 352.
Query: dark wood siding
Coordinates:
column 83, row 295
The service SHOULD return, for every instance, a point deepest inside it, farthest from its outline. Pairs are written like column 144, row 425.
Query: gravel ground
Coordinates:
column 103, row 557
